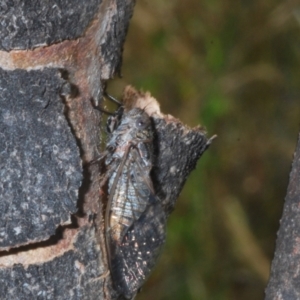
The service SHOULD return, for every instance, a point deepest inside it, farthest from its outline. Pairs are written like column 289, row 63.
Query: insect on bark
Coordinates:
column 134, row 218
column 139, row 202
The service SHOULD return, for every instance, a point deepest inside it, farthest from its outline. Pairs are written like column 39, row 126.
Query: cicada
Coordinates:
column 134, row 219
column 143, row 187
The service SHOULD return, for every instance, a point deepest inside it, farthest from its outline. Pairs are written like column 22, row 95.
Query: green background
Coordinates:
column 232, row 66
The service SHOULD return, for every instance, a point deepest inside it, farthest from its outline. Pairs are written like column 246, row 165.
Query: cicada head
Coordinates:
column 139, row 125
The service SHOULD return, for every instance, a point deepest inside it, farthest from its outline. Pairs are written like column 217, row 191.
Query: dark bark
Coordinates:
column 60, row 54
column 51, row 218
column 284, row 280
column 37, row 148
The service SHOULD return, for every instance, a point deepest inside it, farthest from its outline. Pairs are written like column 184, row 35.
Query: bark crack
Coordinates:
column 39, row 252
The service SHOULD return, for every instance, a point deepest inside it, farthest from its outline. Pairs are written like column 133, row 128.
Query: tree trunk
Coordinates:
column 55, row 57
column 284, row 280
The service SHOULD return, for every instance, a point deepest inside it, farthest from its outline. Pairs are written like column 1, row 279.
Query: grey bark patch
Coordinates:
column 29, row 24
column 74, row 275
column 112, row 48
column 176, row 152
column 40, row 167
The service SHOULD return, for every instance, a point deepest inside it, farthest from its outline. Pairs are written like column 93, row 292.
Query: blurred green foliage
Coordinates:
column 232, row 66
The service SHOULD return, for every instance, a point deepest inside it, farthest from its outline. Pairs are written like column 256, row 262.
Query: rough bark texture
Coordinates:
column 31, row 24
column 51, row 218
column 284, row 280
column 40, row 165
column 54, row 59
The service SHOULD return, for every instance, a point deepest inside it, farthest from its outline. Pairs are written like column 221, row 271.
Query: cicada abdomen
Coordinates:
column 137, row 255
column 134, row 219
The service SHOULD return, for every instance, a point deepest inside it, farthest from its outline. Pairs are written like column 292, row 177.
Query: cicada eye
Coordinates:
column 141, row 124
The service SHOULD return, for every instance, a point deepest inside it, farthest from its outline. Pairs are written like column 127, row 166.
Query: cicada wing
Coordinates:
column 135, row 258
column 116, row 170
column 135, row 223
column 129, row 196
